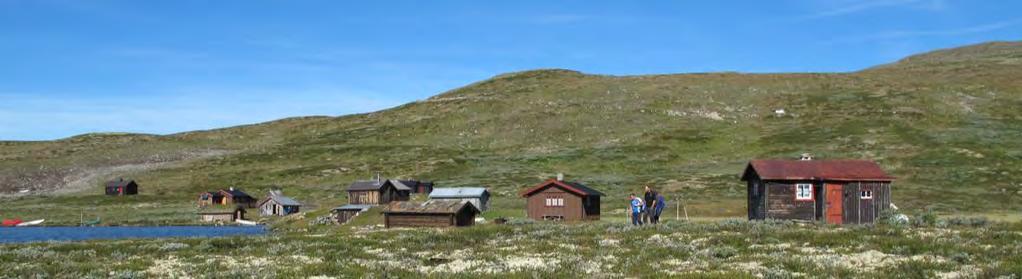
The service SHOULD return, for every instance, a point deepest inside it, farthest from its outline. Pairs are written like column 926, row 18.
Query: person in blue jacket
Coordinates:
column 637, row 206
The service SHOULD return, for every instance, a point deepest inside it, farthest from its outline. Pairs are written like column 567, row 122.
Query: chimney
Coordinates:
column 560, row 177
column 231, row 188
column 806, row 157
column 379, row 179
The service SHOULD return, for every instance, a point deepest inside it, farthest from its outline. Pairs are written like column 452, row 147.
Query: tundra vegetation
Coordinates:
column 956, row 248
column 945, row 123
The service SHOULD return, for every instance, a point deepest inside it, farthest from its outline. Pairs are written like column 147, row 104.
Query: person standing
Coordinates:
column 661, row 204
column 635, row 205
column 649, row 199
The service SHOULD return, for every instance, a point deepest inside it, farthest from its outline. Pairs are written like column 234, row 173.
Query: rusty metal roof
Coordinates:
column 428, row 207
column 838, row 170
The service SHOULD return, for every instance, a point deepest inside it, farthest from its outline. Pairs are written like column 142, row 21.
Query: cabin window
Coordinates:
column 554, row 202
column 803, row 191
column 866, row 195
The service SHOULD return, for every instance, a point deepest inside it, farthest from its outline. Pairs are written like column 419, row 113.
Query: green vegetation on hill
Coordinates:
column 946, row 123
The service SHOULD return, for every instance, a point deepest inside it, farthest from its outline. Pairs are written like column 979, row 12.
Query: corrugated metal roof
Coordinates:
column 281, row 199
column 353, row 207
column 459, row 192
column 365, row 185
column 403, row 185
column 846, row 170
column 428, row 207
column 574, row 187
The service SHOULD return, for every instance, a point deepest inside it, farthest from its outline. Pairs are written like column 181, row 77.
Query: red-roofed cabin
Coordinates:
column 838, row 191
column 555, row 199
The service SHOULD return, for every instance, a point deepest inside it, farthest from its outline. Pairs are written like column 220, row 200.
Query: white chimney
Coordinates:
column 806, row 157
column 231, row 188
column 560, row 177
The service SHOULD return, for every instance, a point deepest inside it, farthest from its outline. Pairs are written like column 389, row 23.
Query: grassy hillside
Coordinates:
column 946, row 123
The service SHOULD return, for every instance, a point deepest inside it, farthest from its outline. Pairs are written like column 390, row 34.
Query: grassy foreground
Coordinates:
column 723, row 249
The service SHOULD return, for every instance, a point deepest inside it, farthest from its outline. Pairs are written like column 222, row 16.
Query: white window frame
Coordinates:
column 809, row 192
column 866, row 195
column 560, row 202
column 549, row 202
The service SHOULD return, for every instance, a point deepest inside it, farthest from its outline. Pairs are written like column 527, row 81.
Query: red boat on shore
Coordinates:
column 11, row 222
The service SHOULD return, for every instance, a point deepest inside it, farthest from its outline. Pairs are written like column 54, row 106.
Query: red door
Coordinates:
column 834, row 208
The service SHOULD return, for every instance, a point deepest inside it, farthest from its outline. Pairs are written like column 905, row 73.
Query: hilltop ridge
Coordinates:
column 946, row 123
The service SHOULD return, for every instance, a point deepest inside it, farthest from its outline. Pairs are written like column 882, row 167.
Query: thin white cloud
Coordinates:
column 907, row 34
column 863, row 6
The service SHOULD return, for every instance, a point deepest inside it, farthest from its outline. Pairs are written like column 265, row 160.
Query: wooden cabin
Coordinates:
column 222, row 214
column 835, row 191
column 227, row 197
column 121, row 187
column 417, row 187
column 433, row 213
column 556, row 199
column 342, row 214
column 478, row 196
column 279, row 205
column 377, row 192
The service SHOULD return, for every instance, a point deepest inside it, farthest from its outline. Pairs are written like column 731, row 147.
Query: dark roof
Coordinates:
column 574, row 187
column 429, row 207
column 119, row 183
column 405, row 185
column 235, row 192
column 365, row 185
column 839, row 170
column 373, row 185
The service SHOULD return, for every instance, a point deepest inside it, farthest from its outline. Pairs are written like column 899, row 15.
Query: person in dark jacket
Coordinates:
column 661, row 204
column 650, row 201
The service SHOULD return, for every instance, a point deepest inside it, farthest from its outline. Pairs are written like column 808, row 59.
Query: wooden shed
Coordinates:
column 416, row 186
column 222, row 214
column 121, row 187
column 433, row 213
column 230, row 196
column 837, row 191
column 377, row 192
column 555, row 199
column 342, row 214
column 278, row 204
column 478, row 196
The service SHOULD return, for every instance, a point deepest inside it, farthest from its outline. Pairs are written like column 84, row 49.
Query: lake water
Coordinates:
column 34, row 234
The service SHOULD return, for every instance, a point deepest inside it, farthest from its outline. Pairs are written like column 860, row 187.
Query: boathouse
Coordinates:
column 121, row 187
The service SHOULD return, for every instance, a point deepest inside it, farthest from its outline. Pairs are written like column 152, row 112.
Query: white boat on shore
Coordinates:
column 30, row 223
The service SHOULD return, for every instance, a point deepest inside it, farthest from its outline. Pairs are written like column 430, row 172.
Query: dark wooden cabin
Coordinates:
column 433, row 213
column 227, row 197
column 835, row 191
column 121, row 187
column 418, row 187
column 377, row 192
column 555, row 199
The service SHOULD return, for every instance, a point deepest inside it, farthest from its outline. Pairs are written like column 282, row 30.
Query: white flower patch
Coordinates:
column 169, row 267
column 608, row 242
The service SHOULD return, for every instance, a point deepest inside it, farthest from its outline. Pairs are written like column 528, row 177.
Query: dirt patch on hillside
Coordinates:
column 77, row 179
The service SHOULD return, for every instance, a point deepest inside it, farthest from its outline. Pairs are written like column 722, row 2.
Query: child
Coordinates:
column 636, row 206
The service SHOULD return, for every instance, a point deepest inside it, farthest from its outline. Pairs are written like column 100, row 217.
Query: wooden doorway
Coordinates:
column 834, row 206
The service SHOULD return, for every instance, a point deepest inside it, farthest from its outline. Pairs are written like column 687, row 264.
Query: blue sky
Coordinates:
column 79, row 66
